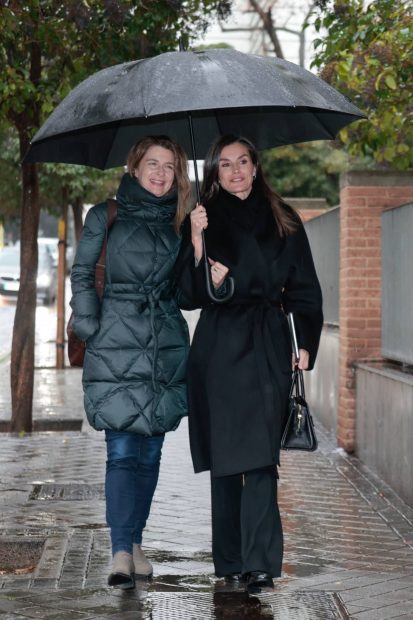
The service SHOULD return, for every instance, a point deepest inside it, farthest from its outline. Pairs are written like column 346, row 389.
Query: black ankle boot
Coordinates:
column 235, row 579
column 256, row 580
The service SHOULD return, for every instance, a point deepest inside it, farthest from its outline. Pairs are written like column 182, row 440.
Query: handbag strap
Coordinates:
column 297, row 383
column 301, row 381
column 112, row 211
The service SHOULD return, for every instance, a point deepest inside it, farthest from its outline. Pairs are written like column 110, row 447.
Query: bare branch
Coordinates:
column 269, row 27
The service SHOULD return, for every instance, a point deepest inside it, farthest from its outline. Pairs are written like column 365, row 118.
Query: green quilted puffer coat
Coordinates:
column 137, row 339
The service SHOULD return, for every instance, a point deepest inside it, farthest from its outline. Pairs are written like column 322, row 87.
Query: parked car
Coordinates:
column 52, row 244
column 10, row 274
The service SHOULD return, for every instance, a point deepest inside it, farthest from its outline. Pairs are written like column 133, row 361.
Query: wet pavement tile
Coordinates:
column 345, row 532
column 186, row 605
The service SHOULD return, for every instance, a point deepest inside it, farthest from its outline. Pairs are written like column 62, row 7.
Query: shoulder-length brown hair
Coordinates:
column 286, row 219
column 181, row 180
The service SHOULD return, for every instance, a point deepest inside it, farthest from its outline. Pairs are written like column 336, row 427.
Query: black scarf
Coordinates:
column 228, row 214
column 248, row 213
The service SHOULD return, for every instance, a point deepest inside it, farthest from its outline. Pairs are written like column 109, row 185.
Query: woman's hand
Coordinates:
column 304, row 359
column 199, row 221
column 218, row 272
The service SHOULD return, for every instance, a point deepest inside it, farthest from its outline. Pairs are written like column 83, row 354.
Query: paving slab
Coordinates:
column 348, row 536
column 334, row 535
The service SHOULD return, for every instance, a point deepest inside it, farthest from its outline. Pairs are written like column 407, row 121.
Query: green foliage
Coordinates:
column 69, row 182
column 305, row 170
column 212, row 46
column 367, row 54
column 48, row 46
column 10, row 179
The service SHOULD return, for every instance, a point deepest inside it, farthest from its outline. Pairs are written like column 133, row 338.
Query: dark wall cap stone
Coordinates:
column 306, row 203
column 378, row 178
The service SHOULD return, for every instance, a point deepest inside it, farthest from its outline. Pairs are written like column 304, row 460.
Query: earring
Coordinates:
column 253, row 177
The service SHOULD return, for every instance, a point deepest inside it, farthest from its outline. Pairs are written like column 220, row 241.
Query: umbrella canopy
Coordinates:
column 268, row 100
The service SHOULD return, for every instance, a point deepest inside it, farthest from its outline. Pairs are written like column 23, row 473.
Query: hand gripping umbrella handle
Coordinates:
column 209, row 285
column 230, row 283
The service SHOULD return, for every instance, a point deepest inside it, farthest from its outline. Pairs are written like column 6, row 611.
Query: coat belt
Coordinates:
column 143, row 301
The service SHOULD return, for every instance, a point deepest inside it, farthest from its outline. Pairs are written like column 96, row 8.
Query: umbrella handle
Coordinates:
column 209, row 285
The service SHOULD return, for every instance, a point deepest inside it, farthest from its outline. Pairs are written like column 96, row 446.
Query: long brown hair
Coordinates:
column 286, row 219
column 181, row 178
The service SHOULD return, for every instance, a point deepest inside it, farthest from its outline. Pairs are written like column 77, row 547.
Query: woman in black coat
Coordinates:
column 239, row 369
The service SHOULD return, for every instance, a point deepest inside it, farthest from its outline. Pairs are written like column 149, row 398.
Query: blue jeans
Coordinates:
column 132, row 470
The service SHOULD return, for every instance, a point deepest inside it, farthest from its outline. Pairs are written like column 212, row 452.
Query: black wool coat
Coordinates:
column 239, row 367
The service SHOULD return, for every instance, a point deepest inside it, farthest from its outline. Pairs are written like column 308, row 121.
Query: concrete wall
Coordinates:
column 322, row 382
column 324, row 237
column 384, row 426
column 397, row 284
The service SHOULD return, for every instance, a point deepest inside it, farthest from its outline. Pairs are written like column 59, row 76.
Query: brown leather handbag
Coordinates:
column 75, row 347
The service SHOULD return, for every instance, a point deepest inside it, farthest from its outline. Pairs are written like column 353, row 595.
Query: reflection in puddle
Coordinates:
column 188, row 606
column 239, row 605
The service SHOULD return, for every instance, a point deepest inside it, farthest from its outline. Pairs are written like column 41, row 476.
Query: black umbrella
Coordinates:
column 268, row 100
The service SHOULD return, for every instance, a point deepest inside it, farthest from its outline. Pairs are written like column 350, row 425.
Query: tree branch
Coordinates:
column 267, row 20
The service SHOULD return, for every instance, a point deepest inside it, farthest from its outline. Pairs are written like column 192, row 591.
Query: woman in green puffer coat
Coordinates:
column 136, row 338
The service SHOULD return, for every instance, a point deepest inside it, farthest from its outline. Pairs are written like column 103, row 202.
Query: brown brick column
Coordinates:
column 363, row 196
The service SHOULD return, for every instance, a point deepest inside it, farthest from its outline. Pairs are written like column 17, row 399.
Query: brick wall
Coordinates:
column 308, row 208
column 309, row 214
column 363, row 196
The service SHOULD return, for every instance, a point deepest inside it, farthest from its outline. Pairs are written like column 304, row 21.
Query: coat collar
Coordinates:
column 134, row 198
column 243, row 212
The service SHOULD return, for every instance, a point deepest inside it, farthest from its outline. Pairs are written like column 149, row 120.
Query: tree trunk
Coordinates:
column 22, row 355
column 61, row 287
column 77, row 207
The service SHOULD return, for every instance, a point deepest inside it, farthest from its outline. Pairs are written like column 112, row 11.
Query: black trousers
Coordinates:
column 246, row 525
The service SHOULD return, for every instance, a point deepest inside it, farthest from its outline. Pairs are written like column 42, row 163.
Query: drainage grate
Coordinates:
column 19, row 555
column 312, row 605
column 297, row 605
column 69, row 492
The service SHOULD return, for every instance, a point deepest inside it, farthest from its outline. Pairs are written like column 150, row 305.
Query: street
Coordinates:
column 45, row 325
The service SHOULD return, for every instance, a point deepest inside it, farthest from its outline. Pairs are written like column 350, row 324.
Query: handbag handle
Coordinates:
column 297, row 384
column 298, row 377
column 293, row 334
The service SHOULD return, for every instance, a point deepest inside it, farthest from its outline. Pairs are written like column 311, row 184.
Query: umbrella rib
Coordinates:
column 110, row 146
column 323, row 125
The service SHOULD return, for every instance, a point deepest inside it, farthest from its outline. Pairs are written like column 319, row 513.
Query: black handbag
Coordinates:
column 299, row 433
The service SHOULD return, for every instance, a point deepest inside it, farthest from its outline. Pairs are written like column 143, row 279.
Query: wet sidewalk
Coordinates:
column 348, row 537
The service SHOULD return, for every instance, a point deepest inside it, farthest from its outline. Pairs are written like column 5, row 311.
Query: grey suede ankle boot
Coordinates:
column 122, row 575
column 143, row 568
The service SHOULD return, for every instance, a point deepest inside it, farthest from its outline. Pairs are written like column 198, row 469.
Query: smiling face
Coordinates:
column 236, row 171
column 156, row 170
